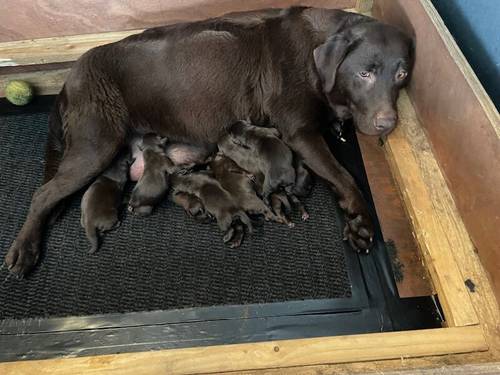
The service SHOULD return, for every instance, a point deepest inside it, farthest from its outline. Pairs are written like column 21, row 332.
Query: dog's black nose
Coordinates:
column 386, row 120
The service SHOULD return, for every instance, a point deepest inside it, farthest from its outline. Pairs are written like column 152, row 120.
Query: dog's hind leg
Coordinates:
column 92, row 143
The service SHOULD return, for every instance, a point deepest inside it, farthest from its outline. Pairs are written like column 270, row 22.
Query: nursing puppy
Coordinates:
column 265, row 154
column 192, row 206
column 153, row 184
column 101, row 201
column 240, row 185
column 217, row 201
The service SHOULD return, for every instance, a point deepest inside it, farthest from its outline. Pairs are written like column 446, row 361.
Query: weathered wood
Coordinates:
column 364, row 6
column 47, row 82
column 394, row 222
column 58, row 49
column 461, row 122
column 436, row 242
column 216, row 359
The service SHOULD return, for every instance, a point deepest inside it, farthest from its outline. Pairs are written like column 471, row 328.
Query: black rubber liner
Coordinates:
column 168, row 282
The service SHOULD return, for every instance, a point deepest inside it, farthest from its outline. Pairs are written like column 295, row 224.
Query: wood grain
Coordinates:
column 393, row 220
column 47, row 82
column 461, row 121
column 27, row 19
column 57, row 49
column 216, row 359
column 437, row 239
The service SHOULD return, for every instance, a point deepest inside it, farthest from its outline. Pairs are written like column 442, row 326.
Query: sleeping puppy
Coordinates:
column 101, row 201
column 282, row 201
column 153, row 184
column 259, row 150
column 217, row 202
column 192, row 205
column 240, row 185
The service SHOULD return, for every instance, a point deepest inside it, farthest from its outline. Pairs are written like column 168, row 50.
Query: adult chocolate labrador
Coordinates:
column 285, row 68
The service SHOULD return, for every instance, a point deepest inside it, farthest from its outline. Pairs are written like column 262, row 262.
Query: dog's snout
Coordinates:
column 386, row 120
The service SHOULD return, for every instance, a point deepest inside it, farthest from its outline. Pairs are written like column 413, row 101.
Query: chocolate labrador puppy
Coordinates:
column 239, row 183
column 102, row 200
column 153, row 184
column 261, row 152
column 217, row 201
column 187, row 81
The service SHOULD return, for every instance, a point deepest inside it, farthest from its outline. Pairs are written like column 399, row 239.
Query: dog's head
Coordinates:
column 362, row 68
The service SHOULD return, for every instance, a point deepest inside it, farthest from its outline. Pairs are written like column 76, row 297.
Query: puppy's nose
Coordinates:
column 386, row 120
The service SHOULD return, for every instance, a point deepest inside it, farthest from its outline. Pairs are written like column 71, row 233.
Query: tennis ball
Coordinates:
column 19, row 92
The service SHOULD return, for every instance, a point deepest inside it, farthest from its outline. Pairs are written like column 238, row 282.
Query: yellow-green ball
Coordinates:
column 19, row 92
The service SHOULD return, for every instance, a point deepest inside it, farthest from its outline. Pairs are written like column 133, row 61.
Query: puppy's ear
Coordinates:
column 329, row 55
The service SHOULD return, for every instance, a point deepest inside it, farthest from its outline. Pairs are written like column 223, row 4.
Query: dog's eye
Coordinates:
column 401, row 75
column 364, row 74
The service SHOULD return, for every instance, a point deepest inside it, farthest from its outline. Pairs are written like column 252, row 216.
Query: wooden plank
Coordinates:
column 28, row 19
column 216, row 359
column 46, row 82
column 412, row 278
column 364, row 6
column 436, row 237
column 462, row 123
column 58, row 49
column 481, row 369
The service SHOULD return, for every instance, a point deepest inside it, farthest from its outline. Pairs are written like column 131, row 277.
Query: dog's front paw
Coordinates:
column 22, row 257
column 359, row 233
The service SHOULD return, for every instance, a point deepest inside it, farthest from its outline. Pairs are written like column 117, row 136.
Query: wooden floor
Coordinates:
column 414, row 280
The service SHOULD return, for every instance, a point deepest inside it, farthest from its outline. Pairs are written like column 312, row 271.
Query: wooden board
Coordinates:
column 217, row 359
column 28, row 19
column 58, row 49
column 413, row 277
column 462, row 123
column 46, row 82
column 436, row 241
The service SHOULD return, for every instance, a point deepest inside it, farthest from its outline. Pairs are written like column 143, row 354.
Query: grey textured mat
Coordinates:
column 165, row 261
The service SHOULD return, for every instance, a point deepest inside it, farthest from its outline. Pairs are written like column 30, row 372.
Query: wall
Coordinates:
column 26, row 19
column 475, row 25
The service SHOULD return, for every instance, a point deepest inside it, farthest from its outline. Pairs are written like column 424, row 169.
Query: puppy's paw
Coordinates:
column 234, row 236
column 359, row 233
column 143, row 210
column 22, row 257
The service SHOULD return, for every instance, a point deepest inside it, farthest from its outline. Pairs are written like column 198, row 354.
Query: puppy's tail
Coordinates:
column 93, row 237
column 245, row 220
column 55, row 144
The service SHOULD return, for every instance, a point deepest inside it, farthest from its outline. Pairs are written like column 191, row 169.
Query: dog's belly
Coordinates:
column 180, row 154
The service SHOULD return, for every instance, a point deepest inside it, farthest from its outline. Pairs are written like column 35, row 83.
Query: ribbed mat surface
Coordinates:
column 165, row 261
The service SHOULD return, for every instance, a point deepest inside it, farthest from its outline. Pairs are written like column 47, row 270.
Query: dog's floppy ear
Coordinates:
column 329, row 55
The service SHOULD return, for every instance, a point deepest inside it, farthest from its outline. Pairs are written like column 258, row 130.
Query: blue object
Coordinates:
column 475, row 25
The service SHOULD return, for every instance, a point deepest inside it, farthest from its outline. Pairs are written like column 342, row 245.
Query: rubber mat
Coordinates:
column 165, row 261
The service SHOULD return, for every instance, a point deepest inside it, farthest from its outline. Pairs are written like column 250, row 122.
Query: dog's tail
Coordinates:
column 93, row 237
column 245, row 220
column 55, row 143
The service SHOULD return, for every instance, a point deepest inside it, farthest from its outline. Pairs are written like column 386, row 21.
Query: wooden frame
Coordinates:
column 472, row 317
